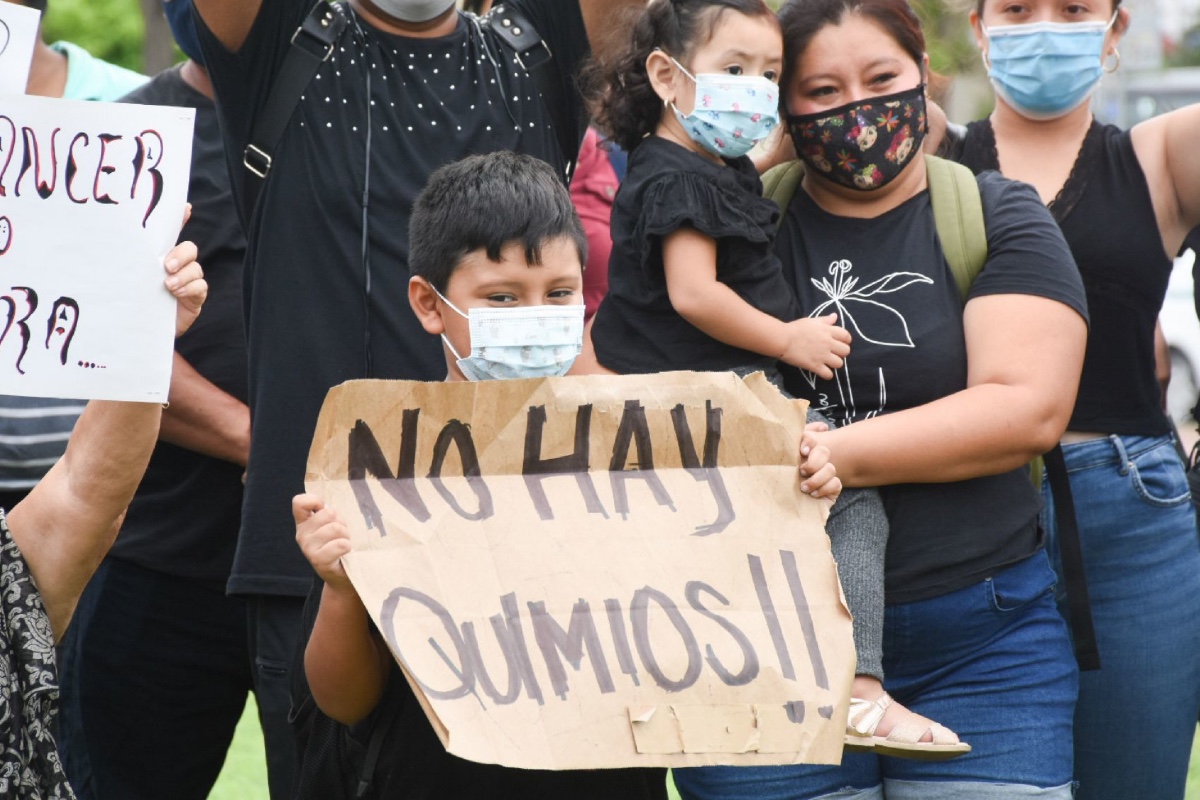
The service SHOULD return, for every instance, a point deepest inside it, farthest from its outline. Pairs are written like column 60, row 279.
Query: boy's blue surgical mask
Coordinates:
column 519, row 342
column 1046, row 69
column 732, row 112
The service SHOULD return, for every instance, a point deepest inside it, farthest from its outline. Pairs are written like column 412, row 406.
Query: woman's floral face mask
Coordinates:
column 862, row 145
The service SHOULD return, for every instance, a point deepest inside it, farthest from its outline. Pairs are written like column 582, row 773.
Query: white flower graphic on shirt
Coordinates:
column 867, row 318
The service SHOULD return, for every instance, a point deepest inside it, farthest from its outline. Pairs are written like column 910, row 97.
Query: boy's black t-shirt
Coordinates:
column 891, row 286
column 413, row 765
column 311, row 319
column 669, row 187
column 184, row 518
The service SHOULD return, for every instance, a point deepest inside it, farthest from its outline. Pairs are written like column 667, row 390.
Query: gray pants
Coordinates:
column 858, row 535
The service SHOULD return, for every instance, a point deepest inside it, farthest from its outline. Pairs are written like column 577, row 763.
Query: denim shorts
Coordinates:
column 1136, row 716
column 991, row 661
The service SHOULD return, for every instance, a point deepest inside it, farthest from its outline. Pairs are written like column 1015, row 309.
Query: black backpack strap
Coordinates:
column 385, row 718
column 1079, row 608
column 534, row 55
column 312, row 44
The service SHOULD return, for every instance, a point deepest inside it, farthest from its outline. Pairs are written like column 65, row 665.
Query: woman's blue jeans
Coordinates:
column 992, row 662
column 1136, row 716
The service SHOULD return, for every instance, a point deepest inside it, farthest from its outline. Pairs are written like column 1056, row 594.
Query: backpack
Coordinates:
column 333, row 763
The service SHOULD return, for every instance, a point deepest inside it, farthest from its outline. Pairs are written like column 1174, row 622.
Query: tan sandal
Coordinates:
column 904, row 740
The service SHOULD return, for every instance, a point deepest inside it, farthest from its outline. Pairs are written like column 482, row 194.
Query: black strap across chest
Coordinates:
column 313, row 43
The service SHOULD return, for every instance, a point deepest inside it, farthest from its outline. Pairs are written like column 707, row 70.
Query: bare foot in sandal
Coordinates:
column 880, row 724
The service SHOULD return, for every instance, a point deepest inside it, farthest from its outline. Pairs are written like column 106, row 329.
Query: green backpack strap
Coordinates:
column 958, row 217
column 957, row 212
column 780, row 184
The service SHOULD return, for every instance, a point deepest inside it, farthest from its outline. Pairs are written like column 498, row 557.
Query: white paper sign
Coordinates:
column 18, row 33
column 91, row 200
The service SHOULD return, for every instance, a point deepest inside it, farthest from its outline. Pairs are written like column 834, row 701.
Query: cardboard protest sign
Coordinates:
column 18, row 35
column 91, row 199
column 595, row 572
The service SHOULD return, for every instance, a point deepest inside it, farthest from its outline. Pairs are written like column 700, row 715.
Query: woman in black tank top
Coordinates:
column 1125, row 200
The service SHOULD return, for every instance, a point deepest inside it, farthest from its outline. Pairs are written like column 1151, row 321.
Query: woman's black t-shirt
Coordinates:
column 1107, row 217
column 890, row 284
column 668, row 187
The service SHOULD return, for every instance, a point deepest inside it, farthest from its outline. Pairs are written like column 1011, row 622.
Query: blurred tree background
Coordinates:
column 1187, row 53
column 115, row 30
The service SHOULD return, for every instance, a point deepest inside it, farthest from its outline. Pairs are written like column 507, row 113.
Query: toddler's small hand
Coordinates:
column 817, row 345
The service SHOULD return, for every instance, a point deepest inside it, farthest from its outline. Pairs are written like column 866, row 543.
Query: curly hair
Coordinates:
column 623, row 103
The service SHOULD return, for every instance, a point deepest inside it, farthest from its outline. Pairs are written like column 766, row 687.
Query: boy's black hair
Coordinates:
column 485, row 202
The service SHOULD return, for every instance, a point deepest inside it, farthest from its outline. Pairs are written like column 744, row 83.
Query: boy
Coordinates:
column 496, row 231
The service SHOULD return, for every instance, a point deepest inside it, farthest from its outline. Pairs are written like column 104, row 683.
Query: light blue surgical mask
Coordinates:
column 732, row 113
column 1046, row 69
column 519, row 342
column 414, row 10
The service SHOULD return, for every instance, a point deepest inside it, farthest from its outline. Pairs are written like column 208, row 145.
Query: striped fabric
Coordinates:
column 33, row 434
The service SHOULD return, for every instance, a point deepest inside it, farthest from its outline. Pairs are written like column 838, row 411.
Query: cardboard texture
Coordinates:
column 597, row 571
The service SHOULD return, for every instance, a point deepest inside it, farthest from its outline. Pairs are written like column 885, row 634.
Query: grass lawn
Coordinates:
column 245, row 773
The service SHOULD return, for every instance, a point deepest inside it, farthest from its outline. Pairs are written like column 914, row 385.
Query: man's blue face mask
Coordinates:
column 183, row 28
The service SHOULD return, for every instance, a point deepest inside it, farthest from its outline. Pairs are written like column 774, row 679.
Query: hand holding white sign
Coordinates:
column 185, row 281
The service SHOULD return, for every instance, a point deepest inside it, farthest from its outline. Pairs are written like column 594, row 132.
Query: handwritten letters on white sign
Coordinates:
column 91, row 200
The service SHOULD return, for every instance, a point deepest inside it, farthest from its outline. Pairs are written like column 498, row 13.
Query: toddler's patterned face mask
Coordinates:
column 862, row 145
column 732, row 114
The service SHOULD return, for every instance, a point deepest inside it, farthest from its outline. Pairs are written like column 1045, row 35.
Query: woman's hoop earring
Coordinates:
column 1116, row 66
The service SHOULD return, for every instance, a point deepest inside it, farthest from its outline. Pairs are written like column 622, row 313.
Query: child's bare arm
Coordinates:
column 690, row 263
column 345, row 662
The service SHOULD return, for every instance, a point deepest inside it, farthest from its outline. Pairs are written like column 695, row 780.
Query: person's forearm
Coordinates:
column 344, row 662
column 983, row 430
column 203, row 418
column 69, row 520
